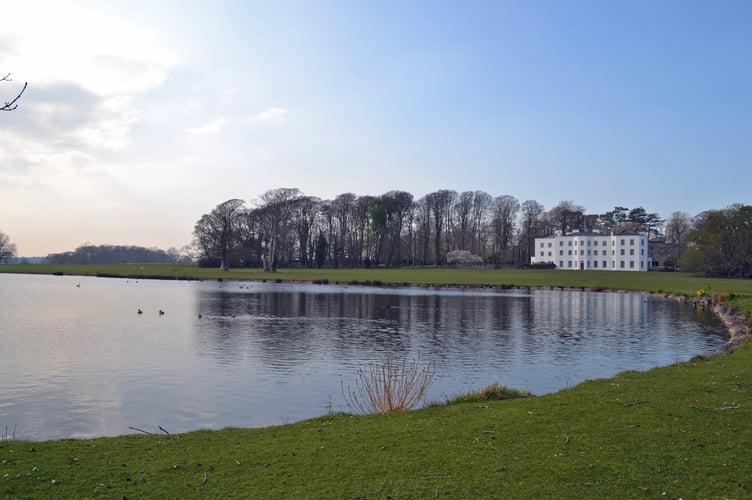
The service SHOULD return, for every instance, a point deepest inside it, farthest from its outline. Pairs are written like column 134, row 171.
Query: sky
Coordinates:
column 141, row 116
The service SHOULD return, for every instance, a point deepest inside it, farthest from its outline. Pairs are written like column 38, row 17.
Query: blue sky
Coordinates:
column 142, row 116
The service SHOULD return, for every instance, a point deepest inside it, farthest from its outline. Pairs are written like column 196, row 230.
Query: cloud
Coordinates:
column 110, row 128
column 210, row 128
column 64, row 42
column 270, row 115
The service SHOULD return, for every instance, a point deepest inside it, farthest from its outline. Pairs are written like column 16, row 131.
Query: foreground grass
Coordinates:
column 682, row 430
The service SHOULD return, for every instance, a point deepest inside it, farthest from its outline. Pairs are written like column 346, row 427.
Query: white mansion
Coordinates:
column 627, row 251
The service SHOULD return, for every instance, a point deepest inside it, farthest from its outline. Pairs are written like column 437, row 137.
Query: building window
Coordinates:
column 561, row 252
column 631, row 264
column 642, row 264
column 561, row 263
column 549, row 244
column 569, row 242
column 642, row 251
column 582, row 252
column 541, row 244
column 621, row 264
column 595, row 264
column 631, row 251
column 595, row 252
column 588, row 243
column 605, row 264
column 631, row 241
column 569, row 252
column 622, row 242
column 542, row 253
column 588, row 252
column 569, row 263
column 549, row 254
column 622, row 251
column 561, row 243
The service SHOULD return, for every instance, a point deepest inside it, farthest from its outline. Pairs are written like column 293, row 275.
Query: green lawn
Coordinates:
column 678, row 431
column 676, row 283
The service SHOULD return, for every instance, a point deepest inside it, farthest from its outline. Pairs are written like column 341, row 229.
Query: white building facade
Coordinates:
column 593, row 251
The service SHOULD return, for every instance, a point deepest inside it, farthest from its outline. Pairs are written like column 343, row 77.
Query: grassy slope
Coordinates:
column 682, row 430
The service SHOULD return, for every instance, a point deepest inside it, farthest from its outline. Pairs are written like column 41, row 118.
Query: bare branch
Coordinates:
column 11, row 105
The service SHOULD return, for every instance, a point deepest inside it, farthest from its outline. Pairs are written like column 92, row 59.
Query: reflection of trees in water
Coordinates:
column 285, row 329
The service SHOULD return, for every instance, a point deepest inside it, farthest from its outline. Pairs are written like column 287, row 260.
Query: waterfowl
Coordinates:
column 140, row 311
column 161, row 312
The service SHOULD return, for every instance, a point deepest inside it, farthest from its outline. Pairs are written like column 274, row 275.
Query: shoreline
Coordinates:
column 736, row 322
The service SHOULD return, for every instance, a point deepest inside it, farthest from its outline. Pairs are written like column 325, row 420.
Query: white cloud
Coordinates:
column 111, row 126
column 210, row 128
column 64, row 42
column 270, row 115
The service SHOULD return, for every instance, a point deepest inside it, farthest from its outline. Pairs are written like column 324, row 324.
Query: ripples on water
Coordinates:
column 80, row 362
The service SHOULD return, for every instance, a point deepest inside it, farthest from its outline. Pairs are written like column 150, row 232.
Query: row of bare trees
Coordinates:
column 286, row 227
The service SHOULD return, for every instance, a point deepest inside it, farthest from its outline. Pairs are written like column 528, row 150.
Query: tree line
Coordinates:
column 285, row 227
column 117, row 254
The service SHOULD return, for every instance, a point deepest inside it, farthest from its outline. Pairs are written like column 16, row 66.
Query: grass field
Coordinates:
column 676, row 283
column 681, row 431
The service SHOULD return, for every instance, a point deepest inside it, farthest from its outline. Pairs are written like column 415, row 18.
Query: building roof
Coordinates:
column 597, row 233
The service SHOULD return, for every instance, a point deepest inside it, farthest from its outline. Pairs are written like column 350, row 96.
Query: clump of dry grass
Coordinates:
column 389, row 386
column 493, row 392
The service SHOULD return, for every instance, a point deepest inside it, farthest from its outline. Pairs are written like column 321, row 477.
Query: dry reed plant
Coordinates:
column 391, row 386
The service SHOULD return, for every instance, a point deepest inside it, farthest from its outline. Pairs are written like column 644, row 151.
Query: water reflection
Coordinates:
column 79, row 361
column 533, row 341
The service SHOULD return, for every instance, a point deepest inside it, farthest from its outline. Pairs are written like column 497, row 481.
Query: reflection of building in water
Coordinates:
column 626, row 251
column 573, row 314
column 590, row 307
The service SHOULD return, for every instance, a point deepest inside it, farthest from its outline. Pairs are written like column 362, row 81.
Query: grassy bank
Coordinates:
column 682, row 430
column 676, row 283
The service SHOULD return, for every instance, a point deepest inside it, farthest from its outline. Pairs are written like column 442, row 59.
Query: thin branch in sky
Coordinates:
column 11, row 105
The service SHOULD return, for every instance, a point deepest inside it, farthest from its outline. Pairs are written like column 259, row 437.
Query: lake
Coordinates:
column 77, row 360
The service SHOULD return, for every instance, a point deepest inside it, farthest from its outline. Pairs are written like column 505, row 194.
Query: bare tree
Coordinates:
column 12, row 104
column 305, row 211
column 278, row 205
column 7, row 249
column 423, row 222
column 440, row 203
column 403, row 208
column 481, row 203
column 463, row 210
column 568, row 216
column 678, row 226
column 358, row 239
column 532, row 213
column 343, row 208
column 505, row 209
column 216, row 233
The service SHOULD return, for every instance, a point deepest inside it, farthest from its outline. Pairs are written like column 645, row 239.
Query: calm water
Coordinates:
column 77, row 360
